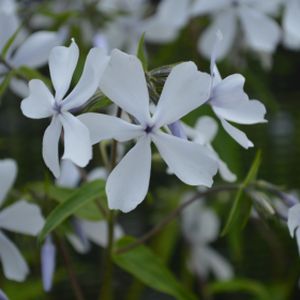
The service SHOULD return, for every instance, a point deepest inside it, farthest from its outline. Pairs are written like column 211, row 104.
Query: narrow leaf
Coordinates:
column 241, row 207
column 5, row 83
column 87, row 193
column 141, row 52
column 240, row 285
column 10, row 42
column 143, row 264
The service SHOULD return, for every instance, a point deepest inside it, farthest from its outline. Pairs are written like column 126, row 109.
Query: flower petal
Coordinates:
column 8, row 174
column 230, row 102
column 34, row 52
column 2, row 295
column 48, row 258
column 206, row 130
column 239, row 136
column 103, row 127
column 189, row 161
column 294, row 219
column 125, row 84
column 62, row 64
column 77, row 143
column 226, row 22
column 128, row 183
column 201, row 7
column 185, row 89
column 291, row 18
column 39, row 103
column 97, row 232
column 69, row 175
column 14, row 265
column 22, row 217
column 50, row 145
column 87, row 85
column 262, row 32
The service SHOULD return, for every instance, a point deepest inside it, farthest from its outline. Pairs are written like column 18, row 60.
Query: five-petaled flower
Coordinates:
column 42, row 104
column 124, row 83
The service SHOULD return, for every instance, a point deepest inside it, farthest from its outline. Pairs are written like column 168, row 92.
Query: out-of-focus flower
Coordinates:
column 27, row 50
column 125, row 30
column 291, row 24
column 21, row 217
column 42, row 104
column 125, row 84
column 204, row 132
column 3, row 296
column 200, row 226
column 84, row 231
column 260, row 32
column 231, row 104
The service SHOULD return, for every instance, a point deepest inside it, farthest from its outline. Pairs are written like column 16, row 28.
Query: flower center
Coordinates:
column 148, row 129
column 57, row 107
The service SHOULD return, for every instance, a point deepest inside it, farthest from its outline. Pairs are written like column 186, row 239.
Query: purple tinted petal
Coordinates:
column 3, row 296
column 48, row 255
column 81, row 234
column 177, row 130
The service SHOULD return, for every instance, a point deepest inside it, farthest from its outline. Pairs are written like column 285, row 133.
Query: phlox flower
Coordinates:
column 42, row 104
column 204, row 132
column 27, row 50
column 251, row 17
column 231, row 104
column 124, row 83
column 20, row 217
column 200, row 226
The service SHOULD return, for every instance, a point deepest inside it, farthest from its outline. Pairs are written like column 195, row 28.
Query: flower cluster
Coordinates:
column 122, row 79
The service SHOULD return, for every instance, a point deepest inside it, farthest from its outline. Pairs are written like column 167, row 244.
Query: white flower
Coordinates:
column 124, row 31
column 204, row 132
column 230, row 103
column 42, row 104
column 291, row 24
column 31, row 51
column 260, row 32
column 124, row 83
column 21, row 217
column 201, row 226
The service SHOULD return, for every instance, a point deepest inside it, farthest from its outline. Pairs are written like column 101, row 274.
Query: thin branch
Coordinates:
column 69, row 267
column 173, row 214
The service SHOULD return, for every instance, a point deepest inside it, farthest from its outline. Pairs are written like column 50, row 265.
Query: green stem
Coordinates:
column 107, row 291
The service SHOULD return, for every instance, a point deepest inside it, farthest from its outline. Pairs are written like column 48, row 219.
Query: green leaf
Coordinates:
column 241, row 208
column 89, row 211
column 143, row 264
column 5, row 83
column 87, row 193
column 240, row 285
column 32, row 74
column 141, row 52
column 10, row 42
